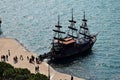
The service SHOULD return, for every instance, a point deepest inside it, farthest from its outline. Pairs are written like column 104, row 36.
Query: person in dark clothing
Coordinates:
column 71, row 77
column 6, row 57
column 32, row 57
column 15, row 59
column 3, row 58
column 36, row 69
column 27, row 58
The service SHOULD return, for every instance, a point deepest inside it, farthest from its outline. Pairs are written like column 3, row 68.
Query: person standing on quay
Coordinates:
column 71, row 77
column 21, row 57
column 36, row 69
column 6, row 57
column 9, row 52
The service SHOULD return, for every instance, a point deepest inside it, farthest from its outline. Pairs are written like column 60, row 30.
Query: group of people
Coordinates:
column 33, row 60
column 15, row 59
column 4, row 57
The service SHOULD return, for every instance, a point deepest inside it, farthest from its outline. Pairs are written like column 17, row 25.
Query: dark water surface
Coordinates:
column 32, row 21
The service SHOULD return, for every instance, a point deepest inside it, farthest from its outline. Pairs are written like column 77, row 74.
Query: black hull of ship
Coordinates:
column 72, row 51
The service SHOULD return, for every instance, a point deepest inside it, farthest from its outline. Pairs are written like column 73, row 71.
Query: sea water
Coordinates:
column 32, row 21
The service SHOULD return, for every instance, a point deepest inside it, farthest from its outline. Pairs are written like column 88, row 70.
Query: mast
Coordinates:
column 72, row 32
column 83, row 28
column 58, row 32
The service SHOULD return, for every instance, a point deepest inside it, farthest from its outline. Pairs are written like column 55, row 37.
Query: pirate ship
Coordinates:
column 78, row 41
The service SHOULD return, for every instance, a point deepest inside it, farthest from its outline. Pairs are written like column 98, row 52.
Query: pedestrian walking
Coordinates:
column 71, row 77
column 27, row 58
column 15, row 59
column 6, row 57
column 21, row 57
column 2, row 57
column 9, row 52
column 36, row 69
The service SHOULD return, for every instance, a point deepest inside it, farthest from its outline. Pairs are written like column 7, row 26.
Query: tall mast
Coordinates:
column 72, row 15
column 83, row 28
column 72, row 29
column 58, row 20
column 58, row 32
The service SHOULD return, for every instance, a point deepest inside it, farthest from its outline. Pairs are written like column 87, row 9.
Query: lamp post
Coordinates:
column 49, row 71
